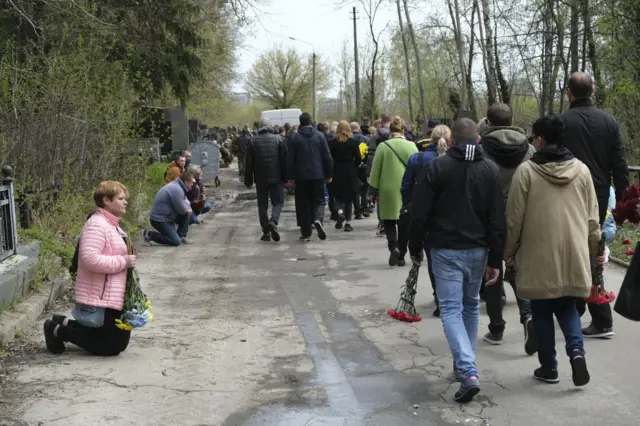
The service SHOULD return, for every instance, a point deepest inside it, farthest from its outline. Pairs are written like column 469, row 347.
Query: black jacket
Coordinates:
column 266, row 159
column 381, row 135
column 594, row 138
column 309, row 156
column 243, row 143
column 458, row 201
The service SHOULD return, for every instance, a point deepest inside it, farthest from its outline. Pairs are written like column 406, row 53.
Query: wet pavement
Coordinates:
column 251, row 333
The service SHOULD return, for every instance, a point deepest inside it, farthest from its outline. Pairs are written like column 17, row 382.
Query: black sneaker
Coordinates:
column 358, row 216
column 401, row 262
column 304, row 239
column 547, row 376
column 579, row 367
column 321, row 234
column 265, row 237
column 493, row 338
column 273, row 229
column 530, row 340
column 597, row 332
column 340, row 220
column 145, row 234
column 348, row 228
column 366, row 214
column 436, row 312
column 55, row 345
column 394, row 256
column 468, row 389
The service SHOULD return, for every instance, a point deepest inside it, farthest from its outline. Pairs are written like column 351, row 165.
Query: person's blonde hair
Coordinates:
column 108, row 189
column 343, row 131
column 377, row 124
column 441, row 135
column 397, row 125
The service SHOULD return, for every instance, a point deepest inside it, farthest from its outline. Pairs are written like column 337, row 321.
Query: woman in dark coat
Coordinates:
column 345, row 185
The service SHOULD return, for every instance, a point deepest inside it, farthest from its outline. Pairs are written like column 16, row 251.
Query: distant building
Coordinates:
column 330, row 107
column 242, row 98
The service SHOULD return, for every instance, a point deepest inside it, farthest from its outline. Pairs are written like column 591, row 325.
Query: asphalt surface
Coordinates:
column 252, row 333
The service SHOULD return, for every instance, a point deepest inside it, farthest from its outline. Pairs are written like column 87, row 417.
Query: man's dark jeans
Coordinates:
column 167, row 233
column 601, row 315
column 493, row 298
column 565, row 311
column 309, row 204
column 275, row 192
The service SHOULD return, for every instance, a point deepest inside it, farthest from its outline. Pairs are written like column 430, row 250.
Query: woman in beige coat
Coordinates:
column 552, row 230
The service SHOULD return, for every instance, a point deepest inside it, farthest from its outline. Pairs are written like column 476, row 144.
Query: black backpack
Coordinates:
column 73, row 267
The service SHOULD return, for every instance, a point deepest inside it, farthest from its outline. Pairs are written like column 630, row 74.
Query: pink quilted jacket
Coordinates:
column 102, row 267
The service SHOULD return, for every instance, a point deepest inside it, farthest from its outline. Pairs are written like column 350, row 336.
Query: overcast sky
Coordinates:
column 319, row 22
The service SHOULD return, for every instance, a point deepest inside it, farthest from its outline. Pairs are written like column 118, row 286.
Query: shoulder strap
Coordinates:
column 396, row 153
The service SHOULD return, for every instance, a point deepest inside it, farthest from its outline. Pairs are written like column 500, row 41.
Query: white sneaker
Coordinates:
column 185, row 240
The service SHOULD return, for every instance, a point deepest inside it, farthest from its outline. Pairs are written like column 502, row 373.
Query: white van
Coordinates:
column 281, row 116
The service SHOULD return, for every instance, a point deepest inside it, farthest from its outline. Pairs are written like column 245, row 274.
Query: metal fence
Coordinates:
column 8, row 228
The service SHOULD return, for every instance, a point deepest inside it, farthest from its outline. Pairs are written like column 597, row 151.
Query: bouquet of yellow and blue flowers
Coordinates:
column 137, row 308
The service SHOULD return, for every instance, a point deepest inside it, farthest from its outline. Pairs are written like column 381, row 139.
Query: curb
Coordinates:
column 25, row 313
column 619, row 262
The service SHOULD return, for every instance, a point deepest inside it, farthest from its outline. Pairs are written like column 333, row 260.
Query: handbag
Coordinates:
column 89, row 316
column 628, row 303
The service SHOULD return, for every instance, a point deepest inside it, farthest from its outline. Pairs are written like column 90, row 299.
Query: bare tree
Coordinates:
column 489, row 57
column 454, row 12
column 423, row 106
column 371, row 9
column 406, row 60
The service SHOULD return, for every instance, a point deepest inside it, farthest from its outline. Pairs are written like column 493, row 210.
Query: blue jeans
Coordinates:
column 167, row 233
column 564, row 308
column 194, row 216
column 458, row 275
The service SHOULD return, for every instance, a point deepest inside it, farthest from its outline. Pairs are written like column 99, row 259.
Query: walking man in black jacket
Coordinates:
column 266, row 165
column 310, row 166
column 593, row 136
column 458, row 201
column 242, row 142
column 508, row 147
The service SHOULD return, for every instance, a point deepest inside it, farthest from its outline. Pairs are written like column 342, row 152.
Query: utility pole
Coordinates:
column 355, row 51
column 313, row 84
column 340, row 104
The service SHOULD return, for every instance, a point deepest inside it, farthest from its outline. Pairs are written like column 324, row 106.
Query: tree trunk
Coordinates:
column 406, row 61
column 470, row 96
column 490, row 56
column 423, row 103
column 547, row 60
column 593, row 58
column 575, row 29
column 455, row 18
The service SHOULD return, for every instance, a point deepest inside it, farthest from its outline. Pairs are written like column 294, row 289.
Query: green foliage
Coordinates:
column 626, row 231
column 283, row 79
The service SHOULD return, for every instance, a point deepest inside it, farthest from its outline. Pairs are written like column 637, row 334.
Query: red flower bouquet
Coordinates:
column 405, row 310
column 599, row 295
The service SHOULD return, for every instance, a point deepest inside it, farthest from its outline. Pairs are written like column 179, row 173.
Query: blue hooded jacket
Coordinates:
column 415, row 164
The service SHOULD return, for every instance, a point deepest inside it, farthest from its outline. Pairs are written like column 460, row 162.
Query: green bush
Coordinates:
column 629, row 232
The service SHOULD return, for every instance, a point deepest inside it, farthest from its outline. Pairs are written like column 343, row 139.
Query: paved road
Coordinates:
column 249, row 333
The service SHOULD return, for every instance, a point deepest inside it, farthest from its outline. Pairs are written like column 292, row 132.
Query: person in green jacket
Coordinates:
column 389, row 164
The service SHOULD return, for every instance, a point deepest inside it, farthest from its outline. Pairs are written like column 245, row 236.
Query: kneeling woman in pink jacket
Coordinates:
column 103, row 261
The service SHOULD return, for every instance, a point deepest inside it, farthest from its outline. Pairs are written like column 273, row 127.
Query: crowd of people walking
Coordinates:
column 482, row 203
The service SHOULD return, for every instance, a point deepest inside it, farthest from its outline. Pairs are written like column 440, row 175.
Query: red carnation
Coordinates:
column 626, row 241
column 629, row 252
